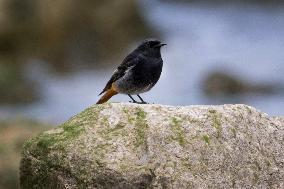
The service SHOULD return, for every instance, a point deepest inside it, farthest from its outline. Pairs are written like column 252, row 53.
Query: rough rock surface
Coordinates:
column 154, row 146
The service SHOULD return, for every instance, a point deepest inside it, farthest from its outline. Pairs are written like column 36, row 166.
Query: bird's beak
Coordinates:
column 160, row 45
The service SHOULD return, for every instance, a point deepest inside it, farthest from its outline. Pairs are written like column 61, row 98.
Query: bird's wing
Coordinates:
column 128, row 63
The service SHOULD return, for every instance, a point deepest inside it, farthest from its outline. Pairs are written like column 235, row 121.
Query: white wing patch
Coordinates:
column 129, row 68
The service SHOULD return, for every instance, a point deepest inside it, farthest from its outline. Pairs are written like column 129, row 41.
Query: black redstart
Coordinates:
column 137, row 73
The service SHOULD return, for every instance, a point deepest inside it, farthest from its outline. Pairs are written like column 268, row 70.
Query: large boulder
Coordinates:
column 154, row 146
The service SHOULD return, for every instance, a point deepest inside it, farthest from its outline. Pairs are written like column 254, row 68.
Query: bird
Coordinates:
column 138, row 73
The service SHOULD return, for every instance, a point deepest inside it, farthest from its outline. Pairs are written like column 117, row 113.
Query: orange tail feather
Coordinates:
column 108, row 94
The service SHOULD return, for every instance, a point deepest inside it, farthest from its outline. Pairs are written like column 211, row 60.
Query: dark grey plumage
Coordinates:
column 139, row 71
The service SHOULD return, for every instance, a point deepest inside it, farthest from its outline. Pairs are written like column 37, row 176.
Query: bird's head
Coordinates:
column 151, row 47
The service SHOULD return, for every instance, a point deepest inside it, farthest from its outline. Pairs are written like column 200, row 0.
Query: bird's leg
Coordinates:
column 142, row 101
column 133, row 100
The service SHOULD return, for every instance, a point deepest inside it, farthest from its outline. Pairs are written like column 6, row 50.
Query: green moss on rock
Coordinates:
column 141, row 127
column 206, row 139
column 49, row 145
column 178, row 131
column 216, row 119
column 234, row 131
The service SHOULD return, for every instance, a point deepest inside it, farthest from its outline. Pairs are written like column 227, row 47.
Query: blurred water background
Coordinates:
column 56, row 56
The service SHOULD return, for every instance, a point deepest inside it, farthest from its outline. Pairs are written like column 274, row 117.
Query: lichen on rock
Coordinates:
column 154, row 146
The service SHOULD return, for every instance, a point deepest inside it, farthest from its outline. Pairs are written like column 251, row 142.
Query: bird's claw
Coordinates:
column 144, row 102
column 135, row 102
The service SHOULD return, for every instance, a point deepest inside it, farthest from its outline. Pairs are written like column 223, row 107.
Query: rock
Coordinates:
column 222, row 84
column 154, row 146
column 222, row 2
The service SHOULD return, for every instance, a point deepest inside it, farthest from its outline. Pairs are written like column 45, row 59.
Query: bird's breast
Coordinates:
column 148, row 71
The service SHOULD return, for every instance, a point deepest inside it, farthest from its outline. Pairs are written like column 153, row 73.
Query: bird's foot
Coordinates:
column 135, row 102
column 142, row 101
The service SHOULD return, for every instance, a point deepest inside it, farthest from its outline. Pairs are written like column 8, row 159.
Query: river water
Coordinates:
column 246, row 41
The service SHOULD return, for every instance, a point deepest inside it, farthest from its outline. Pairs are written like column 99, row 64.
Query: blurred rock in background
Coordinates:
column 13, row 134
column 228, row 2
column 218, row 83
